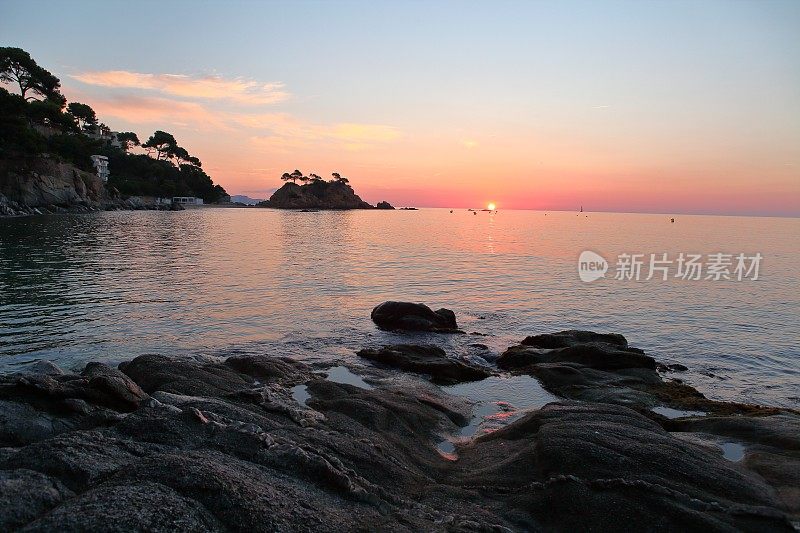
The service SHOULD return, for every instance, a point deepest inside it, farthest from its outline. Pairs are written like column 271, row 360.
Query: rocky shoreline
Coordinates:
column 265, row 443
column 10, row 209
column 45, row 186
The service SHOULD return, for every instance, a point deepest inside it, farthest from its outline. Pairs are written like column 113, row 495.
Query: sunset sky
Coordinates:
column 664, row 107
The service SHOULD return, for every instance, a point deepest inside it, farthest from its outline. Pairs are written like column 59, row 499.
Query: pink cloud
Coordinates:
column 158, row 111
column 237, row 90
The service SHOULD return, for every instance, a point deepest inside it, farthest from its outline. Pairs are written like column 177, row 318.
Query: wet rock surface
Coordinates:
column 163, row 444
column 413, row 317
column 426, row 359
column 588, row 366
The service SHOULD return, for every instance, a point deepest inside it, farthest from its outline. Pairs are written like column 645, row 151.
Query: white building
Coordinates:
column 100, row 162
column 187, row 200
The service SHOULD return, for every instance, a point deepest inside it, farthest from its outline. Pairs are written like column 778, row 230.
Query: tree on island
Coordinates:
column 128, row 139
column 294, row 176
column 84, row 114
column 338, row 178
column 18, row 67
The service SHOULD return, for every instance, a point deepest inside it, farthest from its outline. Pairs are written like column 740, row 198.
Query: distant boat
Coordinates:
column 581, row 209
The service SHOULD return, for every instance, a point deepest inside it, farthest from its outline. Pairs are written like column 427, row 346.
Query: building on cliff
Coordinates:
column 100, row 162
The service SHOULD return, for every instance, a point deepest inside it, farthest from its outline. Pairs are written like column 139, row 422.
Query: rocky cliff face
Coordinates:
column 316, row 195
column 28, row 187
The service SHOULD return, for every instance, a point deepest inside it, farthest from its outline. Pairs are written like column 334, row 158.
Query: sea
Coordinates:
column 717, row 294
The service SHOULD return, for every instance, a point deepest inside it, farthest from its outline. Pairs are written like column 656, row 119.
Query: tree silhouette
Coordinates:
column 128, row 139
column 83, row 114
column 180, row 154
column 338, row 178
column 161, row 143
column 17, row 66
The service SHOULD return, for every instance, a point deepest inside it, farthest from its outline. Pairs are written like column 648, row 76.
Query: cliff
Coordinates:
column 42, row 184
column 316, row 195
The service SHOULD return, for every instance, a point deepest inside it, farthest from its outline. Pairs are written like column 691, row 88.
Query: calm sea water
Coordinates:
column 111, row 286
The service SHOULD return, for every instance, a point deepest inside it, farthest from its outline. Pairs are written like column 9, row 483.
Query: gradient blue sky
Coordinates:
column 633, row 106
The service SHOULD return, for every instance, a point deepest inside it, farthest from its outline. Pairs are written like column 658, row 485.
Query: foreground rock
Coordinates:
column 164, row 444
column 589, row 366
column 605, row 467
column 413, row 317
column 426, row 359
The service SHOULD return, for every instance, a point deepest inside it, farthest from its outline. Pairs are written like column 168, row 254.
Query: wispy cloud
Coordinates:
column 159, row 111
column 284, row 131
column 277, row 130
column 237, row 90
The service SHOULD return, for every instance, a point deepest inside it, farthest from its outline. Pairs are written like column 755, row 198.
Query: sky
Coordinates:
column 634, row 106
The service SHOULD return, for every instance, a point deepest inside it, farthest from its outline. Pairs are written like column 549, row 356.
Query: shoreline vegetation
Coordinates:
column 265, row 442
column 57, row 157
column 49, row 149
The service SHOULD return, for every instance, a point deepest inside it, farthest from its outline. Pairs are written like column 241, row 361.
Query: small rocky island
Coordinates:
column 316, row 193
column 263, row 442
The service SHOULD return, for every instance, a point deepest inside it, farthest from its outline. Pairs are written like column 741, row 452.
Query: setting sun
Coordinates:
column 491, row 206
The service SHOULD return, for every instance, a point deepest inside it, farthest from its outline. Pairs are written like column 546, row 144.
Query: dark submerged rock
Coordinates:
column 413, row 317
column 599, row 356
column 564, row 339
column 425, row 359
